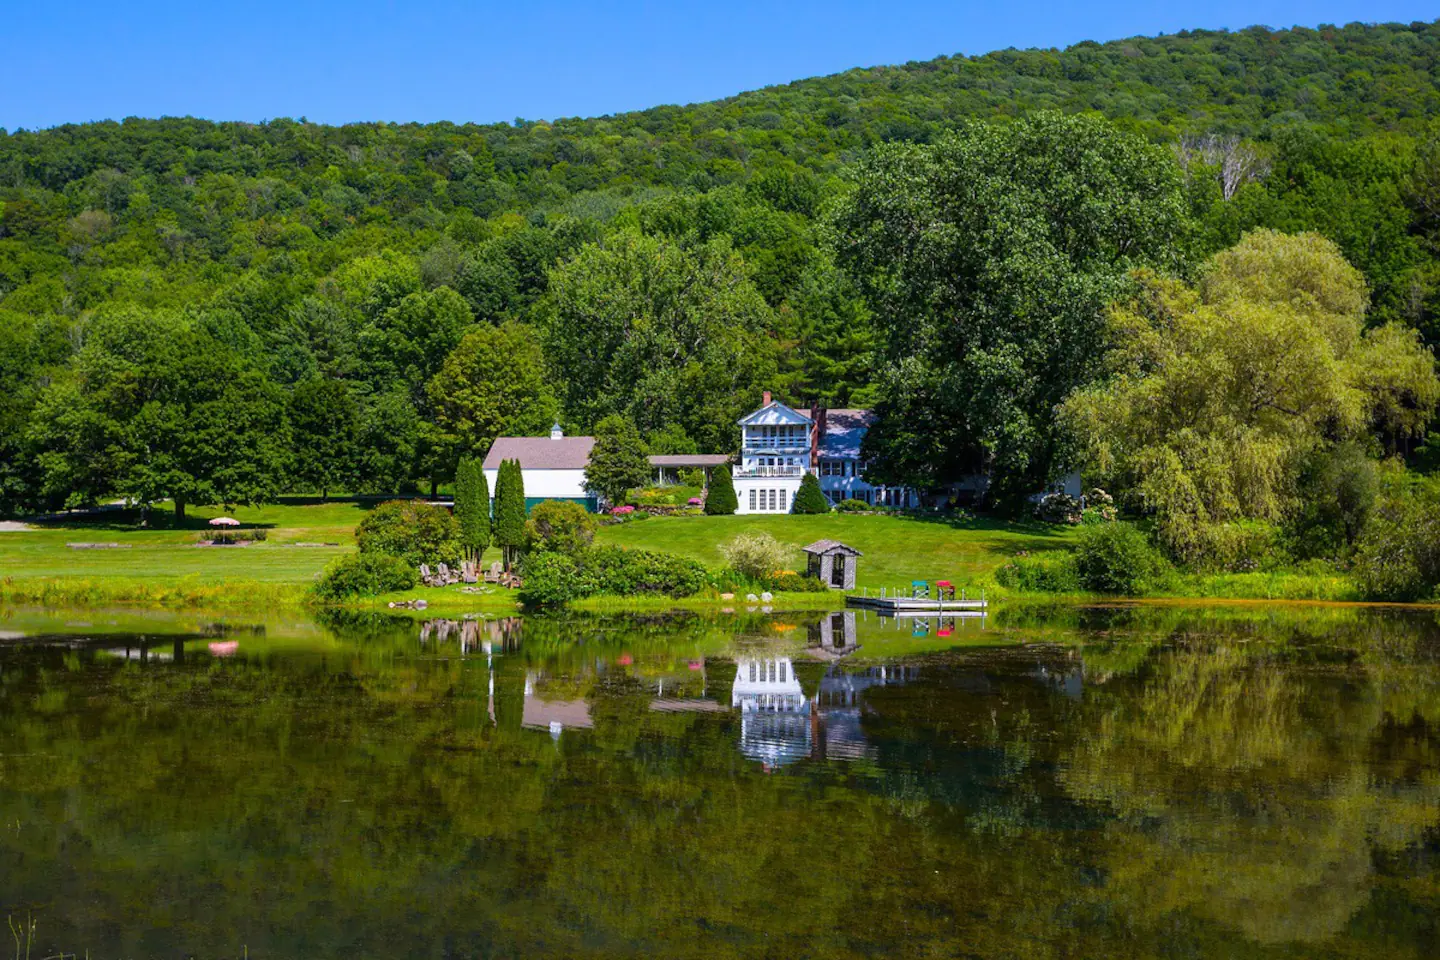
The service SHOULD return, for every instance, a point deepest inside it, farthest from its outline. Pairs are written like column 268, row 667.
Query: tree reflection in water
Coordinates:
column 1125, row 783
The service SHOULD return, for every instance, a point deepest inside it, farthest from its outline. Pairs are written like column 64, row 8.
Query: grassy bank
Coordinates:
column 162, row 566
column 896, row 549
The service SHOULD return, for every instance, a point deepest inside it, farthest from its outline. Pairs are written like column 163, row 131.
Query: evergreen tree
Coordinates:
column 510, row 511
column 721, row 500
column 810, row 498
column 472, row 507
column 619, row 461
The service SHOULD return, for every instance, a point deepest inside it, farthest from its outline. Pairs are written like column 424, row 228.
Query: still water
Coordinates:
column 1141, row 782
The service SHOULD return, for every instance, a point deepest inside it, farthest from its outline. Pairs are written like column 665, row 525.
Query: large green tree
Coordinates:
column 989, row 258
column 509, row 527
column 152, row 409
column 325, row 426
column 660, row 334
column 472, row 506
column 493, row 384
column 619, row 461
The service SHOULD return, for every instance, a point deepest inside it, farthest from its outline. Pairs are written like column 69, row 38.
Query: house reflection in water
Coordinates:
column 840, row 704
column 779, row 724
column 775, row 724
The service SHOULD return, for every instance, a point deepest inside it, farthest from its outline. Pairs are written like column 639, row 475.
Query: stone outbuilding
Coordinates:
column 833, row 562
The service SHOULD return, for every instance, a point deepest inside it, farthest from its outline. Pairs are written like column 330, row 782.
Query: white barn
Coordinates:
column 552, row 467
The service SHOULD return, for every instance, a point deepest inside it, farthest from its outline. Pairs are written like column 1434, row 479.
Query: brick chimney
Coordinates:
column 765, row 399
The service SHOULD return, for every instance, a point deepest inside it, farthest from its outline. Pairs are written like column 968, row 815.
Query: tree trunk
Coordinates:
column 434, row 489
column 179, row 511
column 323, row 496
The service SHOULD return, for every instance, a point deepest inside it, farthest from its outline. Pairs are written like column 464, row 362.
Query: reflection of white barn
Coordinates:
column 774, row 714
column 553, row 715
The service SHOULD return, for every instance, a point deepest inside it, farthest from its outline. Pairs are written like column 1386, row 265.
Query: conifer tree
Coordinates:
column 510, row 511
column 810, row 498
column 472, row 507
column 721, row 500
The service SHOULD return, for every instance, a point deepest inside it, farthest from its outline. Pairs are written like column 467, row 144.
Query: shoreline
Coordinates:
column 240, row 595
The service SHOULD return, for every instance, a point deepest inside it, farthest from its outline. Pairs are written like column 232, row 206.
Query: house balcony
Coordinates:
column 791, row 471
column 776, row 445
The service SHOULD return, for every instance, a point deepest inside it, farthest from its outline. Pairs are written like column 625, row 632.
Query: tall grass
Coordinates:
column 86, row 591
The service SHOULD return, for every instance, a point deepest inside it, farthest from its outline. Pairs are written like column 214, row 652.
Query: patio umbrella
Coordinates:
column 224, row 522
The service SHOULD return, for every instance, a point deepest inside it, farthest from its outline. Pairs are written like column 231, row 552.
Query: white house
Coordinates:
column 552, row 467
column 775, row 446
column 779, row 445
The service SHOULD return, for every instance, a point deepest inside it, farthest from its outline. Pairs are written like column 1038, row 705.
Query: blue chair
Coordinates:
column 920, row 589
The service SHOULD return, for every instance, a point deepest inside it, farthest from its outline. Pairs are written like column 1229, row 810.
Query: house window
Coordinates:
column 752, row 671
column 784, row 497
column 752, row 499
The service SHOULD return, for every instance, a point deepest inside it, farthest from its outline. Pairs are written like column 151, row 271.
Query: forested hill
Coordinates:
column 1354, row 80
column 373, row 301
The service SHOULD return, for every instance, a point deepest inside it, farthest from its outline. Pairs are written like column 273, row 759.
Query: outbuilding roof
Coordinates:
column 541, row 453
column 689, row 459
column 831, row 546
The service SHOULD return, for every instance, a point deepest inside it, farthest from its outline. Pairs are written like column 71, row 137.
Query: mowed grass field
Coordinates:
column 166, row 554
column 165, row 565
column 896, row 549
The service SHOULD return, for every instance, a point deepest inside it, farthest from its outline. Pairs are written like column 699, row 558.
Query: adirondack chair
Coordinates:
column 446, row 577
column 469, row 572
column 425, row 573
column 494, row 573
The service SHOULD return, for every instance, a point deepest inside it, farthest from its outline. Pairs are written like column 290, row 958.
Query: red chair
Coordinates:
column 944, row 590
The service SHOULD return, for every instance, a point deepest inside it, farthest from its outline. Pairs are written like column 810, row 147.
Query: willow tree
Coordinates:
column 1217, row 395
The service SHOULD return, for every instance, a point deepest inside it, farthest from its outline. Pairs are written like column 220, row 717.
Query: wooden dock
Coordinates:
column 912, row 606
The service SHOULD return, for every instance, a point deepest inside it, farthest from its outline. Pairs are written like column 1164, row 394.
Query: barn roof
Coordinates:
column 541, row 453
column 822, row 547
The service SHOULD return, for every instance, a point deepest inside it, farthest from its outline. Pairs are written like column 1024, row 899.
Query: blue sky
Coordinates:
column 369, row 60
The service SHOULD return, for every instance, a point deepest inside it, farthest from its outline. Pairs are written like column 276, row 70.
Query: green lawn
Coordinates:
column 171, row 554
column 164, row 565
column 896, row 549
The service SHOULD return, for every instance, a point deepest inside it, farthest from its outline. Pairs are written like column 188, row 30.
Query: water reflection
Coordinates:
column 1126, row 783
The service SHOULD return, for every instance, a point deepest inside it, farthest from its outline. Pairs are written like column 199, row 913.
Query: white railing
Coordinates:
column 742, row 473
column 776, row 443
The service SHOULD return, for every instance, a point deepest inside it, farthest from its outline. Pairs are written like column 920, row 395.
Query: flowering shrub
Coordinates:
column 755, row 555
column 1058, row 508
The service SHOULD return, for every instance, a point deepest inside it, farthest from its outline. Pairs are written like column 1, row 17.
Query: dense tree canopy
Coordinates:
column 989, row 259
column 647, row 329
column 366, row 280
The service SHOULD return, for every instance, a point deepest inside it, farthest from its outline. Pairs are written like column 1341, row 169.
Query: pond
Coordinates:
column 1074, row 782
